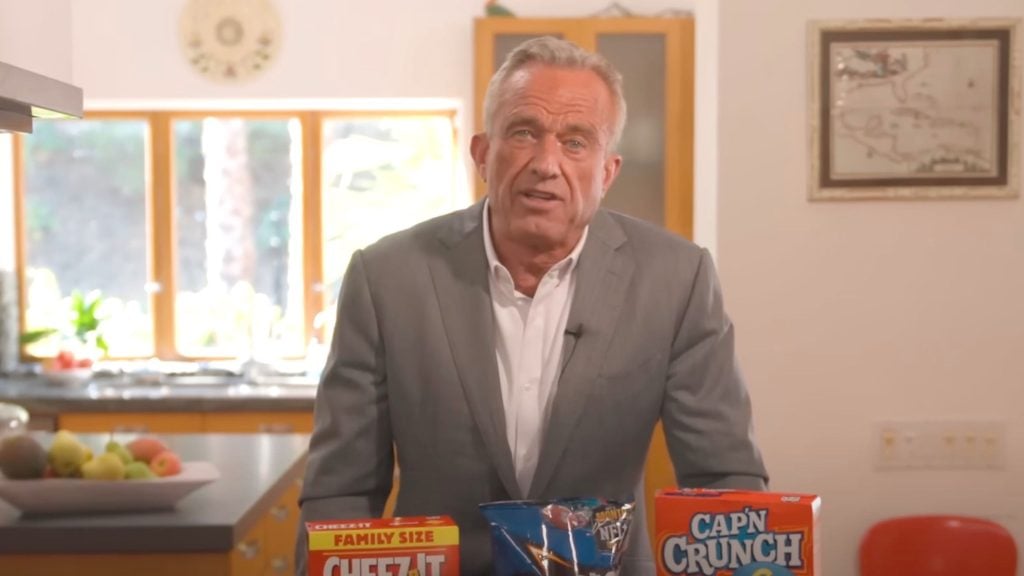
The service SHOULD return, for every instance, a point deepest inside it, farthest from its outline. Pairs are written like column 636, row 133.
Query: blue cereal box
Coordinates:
column 703, row 532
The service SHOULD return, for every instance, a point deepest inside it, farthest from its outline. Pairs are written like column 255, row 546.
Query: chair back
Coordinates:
column 937, row 546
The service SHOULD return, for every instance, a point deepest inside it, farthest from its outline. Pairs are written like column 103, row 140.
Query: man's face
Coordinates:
column 547, row 163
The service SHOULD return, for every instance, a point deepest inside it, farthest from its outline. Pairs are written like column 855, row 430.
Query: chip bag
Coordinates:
column 569, row 537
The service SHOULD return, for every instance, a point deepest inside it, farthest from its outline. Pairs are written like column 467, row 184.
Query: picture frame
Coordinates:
column 911, row 109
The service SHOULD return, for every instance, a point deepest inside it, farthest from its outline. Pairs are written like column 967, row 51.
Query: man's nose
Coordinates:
column 546, row 157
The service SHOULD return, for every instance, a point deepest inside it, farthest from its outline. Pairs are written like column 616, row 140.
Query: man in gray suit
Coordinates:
column 525, row 347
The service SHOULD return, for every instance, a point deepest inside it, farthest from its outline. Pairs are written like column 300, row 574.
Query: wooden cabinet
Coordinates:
column 132, row 422
column 281, row 524
column 656, row 59
column 259, row 422
column 188, row 422
column 250, row 555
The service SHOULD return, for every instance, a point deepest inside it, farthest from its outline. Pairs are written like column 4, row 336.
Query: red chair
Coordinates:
column 937, row 546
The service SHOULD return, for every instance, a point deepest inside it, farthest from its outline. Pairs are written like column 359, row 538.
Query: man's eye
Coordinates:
column 575, row 144
column 522, row 133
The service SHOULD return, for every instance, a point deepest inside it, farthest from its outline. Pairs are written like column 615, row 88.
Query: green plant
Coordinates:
column 84, row 325
column 84, row 320
column 33, row 336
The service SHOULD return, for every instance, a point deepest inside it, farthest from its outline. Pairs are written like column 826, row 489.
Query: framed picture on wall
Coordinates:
column 914, row 109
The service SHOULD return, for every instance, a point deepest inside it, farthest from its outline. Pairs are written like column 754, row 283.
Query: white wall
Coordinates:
column 853, row 313
column 36, row 36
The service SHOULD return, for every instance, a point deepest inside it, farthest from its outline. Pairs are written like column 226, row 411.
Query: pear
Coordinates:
column 22, row 457
column 106, row 466
column 122, row 452
column 67, row 454
column 138, row 471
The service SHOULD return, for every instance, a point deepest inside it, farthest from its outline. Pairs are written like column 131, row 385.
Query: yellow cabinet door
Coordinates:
column 249, row 557
column 259, row 422
column 132, row 422
column 282, row 524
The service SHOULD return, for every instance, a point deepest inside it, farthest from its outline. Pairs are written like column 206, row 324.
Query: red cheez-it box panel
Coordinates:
column 736, row 533
column 415, row 546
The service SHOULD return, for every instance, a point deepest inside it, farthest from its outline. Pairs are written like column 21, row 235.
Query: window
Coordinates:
column 216, row 235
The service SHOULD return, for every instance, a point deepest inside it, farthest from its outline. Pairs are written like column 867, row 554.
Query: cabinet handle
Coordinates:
column 276, row 427
column 249, row 550
column 280, row 513
column 131, row 429
column 279, row 564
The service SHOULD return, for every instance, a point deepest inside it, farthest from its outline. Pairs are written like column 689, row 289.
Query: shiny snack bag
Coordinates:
column 570, row 537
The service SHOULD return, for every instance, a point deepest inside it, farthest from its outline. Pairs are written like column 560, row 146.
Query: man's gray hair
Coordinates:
column 556, row 52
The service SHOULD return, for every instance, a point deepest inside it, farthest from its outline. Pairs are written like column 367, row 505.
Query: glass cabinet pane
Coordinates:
column 505, row 43
column 639, row 189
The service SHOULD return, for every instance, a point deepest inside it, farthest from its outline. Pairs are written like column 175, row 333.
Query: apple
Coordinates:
column 145, row 448
column 65, row 360
column 166, row 463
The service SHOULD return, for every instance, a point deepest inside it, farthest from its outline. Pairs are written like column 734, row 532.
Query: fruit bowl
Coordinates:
column 76, row 496
column 68, row 376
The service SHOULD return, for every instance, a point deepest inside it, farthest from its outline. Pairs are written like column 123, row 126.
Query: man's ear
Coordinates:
column 478, row 147
column 612, row 165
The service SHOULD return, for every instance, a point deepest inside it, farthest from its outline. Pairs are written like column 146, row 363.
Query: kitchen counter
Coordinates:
column 256, row 470
column 41, row 397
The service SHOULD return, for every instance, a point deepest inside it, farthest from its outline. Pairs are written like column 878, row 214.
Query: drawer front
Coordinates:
column 249, row 558
column 260, row 422
column 282, row 526
column 132, row 422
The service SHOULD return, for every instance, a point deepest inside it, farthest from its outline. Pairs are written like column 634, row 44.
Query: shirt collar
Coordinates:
column 497, row 269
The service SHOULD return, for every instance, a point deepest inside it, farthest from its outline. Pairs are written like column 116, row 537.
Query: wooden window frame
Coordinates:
column 160, row 213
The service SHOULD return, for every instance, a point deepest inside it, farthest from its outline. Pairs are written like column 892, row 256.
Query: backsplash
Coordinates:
column 8, row 321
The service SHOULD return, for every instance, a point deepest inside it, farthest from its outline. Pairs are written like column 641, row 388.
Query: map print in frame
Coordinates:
column 914, row 109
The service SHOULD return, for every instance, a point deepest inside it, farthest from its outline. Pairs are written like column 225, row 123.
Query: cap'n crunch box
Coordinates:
column 413, row 546
column 736, row 533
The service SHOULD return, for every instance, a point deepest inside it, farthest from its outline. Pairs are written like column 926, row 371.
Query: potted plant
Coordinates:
column 82, row 340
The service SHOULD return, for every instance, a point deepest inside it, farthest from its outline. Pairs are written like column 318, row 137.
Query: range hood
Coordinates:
column 25, row 95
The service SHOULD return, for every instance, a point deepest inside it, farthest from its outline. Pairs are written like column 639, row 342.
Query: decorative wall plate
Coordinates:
column 230, row 40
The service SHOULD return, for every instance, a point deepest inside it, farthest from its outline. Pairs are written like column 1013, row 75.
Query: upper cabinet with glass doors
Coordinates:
column 655, row 57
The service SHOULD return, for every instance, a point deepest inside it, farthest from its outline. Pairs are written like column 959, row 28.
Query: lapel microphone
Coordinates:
column 575, row 330
column 572, row 334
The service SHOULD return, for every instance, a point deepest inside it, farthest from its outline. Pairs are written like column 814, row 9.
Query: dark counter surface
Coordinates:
column 113, row 395
column 255, row 470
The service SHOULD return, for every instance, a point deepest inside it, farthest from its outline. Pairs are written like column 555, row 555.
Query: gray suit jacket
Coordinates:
column 413, row 367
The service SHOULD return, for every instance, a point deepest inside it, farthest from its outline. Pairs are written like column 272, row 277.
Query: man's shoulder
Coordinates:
column 425, row 235
column 651, row 239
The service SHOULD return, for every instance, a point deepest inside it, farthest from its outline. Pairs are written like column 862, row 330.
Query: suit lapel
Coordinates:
column 463, row 293
column 603, row 275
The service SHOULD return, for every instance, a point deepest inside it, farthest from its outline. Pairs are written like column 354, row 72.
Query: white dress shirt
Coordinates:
column 529, row 333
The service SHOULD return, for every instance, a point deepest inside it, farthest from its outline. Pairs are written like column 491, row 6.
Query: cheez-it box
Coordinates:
column 414, row 546
column 703, row 532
